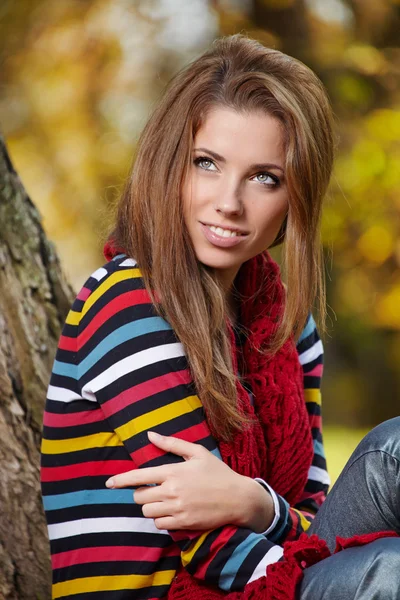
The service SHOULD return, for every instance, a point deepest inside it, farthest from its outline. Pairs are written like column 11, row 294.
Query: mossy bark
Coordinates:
column 34, row 301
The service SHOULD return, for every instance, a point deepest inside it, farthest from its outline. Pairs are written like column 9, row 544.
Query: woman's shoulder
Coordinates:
column 116, row 285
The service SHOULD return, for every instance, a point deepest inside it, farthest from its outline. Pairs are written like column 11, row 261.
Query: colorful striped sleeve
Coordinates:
column 290, row 522
column 131, row 364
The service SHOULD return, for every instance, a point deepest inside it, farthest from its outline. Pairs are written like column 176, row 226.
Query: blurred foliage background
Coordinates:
column 78, row 79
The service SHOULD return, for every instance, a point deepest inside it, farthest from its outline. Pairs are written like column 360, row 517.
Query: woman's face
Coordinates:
column 236, row 183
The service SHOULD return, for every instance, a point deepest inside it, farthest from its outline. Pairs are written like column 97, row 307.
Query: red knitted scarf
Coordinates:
column 278, row 446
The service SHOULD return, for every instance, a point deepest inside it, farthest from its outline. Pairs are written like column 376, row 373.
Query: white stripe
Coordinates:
column 99, row 274
column 102, row 525
column 128, row 262
column 317, row 474
column 276, row 505
column 312, row 353
column 61, row 394
column 271, row 557
column 133, row 363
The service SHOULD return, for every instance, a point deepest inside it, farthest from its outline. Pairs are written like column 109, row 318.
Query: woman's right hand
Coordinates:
column 201, row 493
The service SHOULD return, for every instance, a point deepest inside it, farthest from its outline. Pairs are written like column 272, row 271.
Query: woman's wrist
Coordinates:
column 256, row 509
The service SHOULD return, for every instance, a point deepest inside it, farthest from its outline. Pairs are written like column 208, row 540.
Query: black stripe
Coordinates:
column 313, row 409
column 279, row 533
column 313, row 487
column 319, row 461
column 308, row 342
column 59, row 408
column 87, row 455
column 50, row 488
column 311, row 382
column 76, row 431
column 94, row 511
column 311, row 365
column 65, row 382
column 222, row 556
column 247, row 567
column 107, row 538
column 130, row 594
column 103, row 569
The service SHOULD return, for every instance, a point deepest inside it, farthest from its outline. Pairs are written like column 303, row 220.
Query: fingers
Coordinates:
column 139, row 477
column 145, row 495
column 165, row 523
column 175, row 445
column 156, row 510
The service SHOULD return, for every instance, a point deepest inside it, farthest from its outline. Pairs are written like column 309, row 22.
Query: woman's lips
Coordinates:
column 219, row 240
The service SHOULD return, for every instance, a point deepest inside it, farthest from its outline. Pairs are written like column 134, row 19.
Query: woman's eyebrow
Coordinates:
column 257, row 166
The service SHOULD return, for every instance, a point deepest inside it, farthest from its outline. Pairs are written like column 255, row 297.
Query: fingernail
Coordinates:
column 110, row 483
column 154, row 435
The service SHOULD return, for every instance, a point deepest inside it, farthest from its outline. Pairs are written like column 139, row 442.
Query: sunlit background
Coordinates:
column 79, row 78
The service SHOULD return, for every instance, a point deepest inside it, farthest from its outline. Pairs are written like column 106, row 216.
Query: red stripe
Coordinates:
column 315, row 421
column 86, row 469
column 112, row 554
column 68, row 343
column 72, row 419
column 225, row 535
column 146, row 389
column 191, row 434
column 315, row 372
column 84, row 293
column 131, row 298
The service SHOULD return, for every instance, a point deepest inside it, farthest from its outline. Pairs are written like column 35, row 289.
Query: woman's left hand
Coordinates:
column 201, row 493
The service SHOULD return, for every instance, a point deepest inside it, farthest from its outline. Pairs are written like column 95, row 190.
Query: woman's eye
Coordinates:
column 267, row 179
column 204, row 163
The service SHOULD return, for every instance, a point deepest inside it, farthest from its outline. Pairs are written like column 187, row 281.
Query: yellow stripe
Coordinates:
column 110, row 583
column 96, row 440
column 187, row 555
column 73, row 317
column 116, row 277
column 158, row 416
column 303, row 521
column 313, row 395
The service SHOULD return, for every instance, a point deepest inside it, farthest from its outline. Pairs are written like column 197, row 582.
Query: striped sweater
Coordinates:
column 119, row 372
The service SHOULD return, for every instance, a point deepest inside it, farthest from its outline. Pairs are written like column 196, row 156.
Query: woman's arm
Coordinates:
column 206, row 493
column 132, row 365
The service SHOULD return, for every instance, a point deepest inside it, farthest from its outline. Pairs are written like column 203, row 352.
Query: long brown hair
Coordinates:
column 239, row 73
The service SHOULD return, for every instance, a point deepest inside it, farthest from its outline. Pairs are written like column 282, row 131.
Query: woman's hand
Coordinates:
column 201, row 493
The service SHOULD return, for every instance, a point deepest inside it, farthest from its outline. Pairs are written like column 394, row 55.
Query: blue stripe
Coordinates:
column 319, row 448
column 234, row 563
column 282, row 521
column 60, row 501
column 114, row 339
column 308, row 329
column 216, row 453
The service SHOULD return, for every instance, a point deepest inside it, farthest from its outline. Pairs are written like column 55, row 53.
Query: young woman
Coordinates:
column 187, row 370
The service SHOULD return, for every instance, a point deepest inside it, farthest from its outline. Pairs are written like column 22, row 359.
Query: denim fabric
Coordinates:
column 365, row 499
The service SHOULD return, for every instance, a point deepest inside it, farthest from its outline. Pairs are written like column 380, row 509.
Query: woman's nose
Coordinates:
column 229, row 204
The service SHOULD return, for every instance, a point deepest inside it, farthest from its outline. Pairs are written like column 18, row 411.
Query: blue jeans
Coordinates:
column 365, row 499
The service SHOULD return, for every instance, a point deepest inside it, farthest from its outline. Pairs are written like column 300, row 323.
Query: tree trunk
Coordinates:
column 34, row 301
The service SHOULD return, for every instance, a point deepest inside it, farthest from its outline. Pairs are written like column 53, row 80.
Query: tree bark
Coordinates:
column 34, row 301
